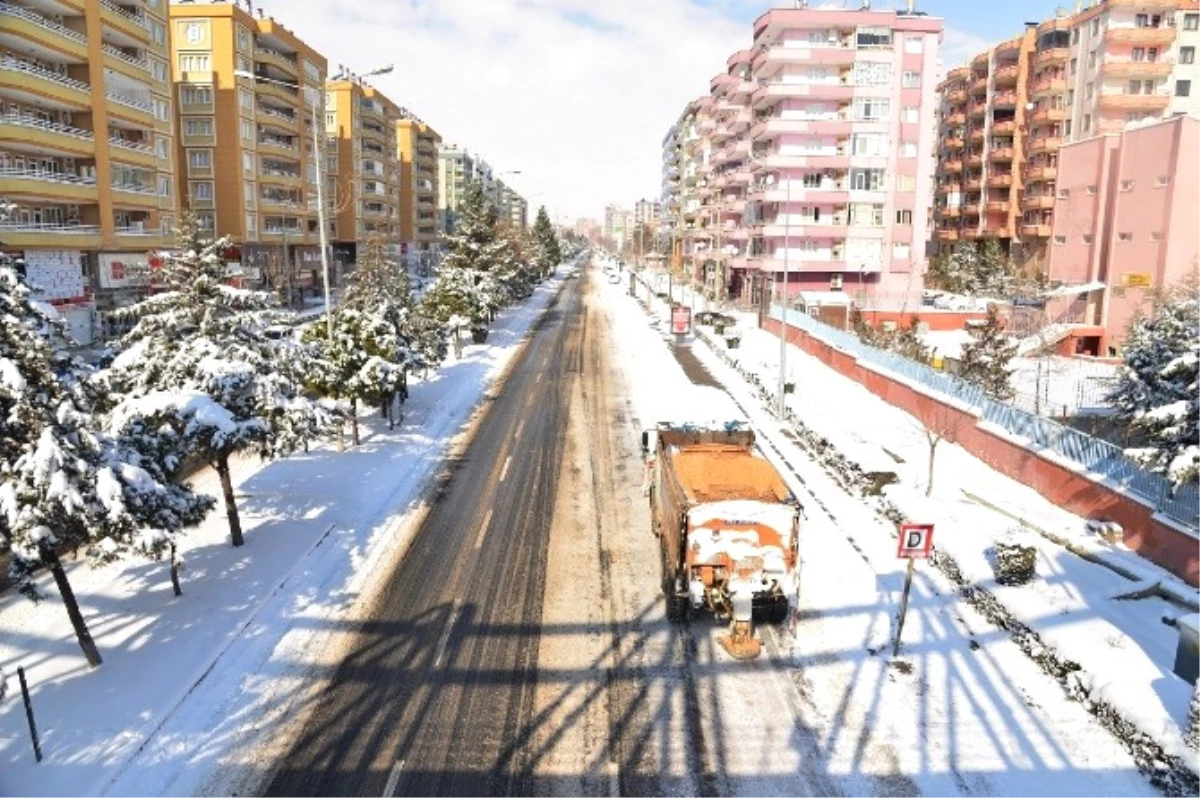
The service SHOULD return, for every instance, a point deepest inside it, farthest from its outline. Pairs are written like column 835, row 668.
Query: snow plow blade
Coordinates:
column 741, row 642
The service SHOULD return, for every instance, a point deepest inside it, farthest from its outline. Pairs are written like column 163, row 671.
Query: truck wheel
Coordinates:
column 677, row 607
column 779, row 612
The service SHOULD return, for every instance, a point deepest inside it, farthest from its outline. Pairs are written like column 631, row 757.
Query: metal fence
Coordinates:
column 1097, row 456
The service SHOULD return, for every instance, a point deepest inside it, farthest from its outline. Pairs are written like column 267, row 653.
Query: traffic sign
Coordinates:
column 681, row 320
column 916, row 540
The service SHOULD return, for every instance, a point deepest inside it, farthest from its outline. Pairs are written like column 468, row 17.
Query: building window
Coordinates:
column 912, row 114
column 243, row 39
column 246, row 99
column 1087, row 123
column 906, row 183
column 1087, row 238
column 158, row 31
column 1183, row 88
column 1067, row 127
column 244, row 64
column 912, row 80
column 202, row 127
column 908, row 149
column 1156, row 236
column 1064, row 193
column 1060, row 239
column 162, row 147
column 872, row 109
column 872, row 38
column 201, row 190
column 247, row 130
column 1125, row 236
column 1187, row 55
column 252, row 223
column 1091, row 59
column 913, row 44
column 1191, row 21
column 901, row 251
column 904, row 216
column 1095, row 26
column 1091, row 190
column 1127, row 185
column 248, row 189
column 1074, row 66
column 162, row 110
column 205, row 222
column 867, row 179
column 1075, row 36
column 1161, row 181
column 1089, row 90
column 195, row 95
column 158, row 69
column 199, row 160
column 194, row 62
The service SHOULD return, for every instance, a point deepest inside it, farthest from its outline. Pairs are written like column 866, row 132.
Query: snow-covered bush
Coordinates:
column 1192, row 735
column 1014, row 558
column 547, row 249
column 1157, row 387
column 985, row 360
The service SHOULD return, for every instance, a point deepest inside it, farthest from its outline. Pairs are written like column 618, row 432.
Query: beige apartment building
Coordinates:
column 418, row 145
column 247, row 89
column 364, row 171
column 86, row 149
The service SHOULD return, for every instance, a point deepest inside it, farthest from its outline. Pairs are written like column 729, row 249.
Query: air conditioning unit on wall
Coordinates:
column 835, row 282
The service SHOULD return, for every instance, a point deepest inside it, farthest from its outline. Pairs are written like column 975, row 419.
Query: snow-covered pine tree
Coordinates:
column 361, row 363
column 1157, row 386
column 955, row 270
column 64, row 486
column 907, row 342
column 516, row 276
column 470, row 253
column 197, row 377
column 985, row 360
column 548, row 252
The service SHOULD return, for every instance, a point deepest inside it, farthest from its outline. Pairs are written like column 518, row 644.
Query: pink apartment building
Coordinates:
column 1124, row 224
column 840, row 140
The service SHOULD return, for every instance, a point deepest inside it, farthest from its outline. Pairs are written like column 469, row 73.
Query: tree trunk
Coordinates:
column 933, row 442
column 354, row 419
column 50, row 557
column 175, row 571
column 235, row 523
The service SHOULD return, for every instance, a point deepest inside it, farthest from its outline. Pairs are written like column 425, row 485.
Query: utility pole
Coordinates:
column 787, row 249
column 719, row 294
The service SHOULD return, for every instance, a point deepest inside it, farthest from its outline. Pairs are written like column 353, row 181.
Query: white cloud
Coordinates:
column 579, row 107
column 958, row 48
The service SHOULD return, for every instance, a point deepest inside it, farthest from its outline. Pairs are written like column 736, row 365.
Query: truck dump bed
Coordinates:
column 713, row 472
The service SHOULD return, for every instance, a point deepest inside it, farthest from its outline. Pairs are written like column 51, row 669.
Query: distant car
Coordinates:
column 615, row 279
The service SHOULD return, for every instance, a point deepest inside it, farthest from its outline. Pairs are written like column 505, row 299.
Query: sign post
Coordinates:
column 916, row 541
column 681, row 320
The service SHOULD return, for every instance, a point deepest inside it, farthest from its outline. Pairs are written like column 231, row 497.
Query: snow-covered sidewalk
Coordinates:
column 189, row 681
column 1124, row 647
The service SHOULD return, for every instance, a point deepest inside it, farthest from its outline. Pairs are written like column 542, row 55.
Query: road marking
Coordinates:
column 393, row 779
column 441, row 649
column 529, row 400
column 487, row 519
column 504, row 471
column 538, row 379
column 520, row 427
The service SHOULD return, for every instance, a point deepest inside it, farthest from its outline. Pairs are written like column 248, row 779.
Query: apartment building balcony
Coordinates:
column 975, row 133
column 772, row 91
column 1009, row 50
column 947, row 234
column 797, row 265
column 775, row 57
column 1136, row 69
column 128, row 20
column 977, row 110
column 20, row 182
column 282, row 92
column 956, row 119
column 773, row 128
column 1038, row 202
column 1035, row 231
column 21, row 27
column 279, row 177
column 953, row 143
column 956, row 97
column 374, row 132
column 132, row 152
column 1135, row 102
column 139, row 235
column 1006, row 75
column 973, row 182
column 1005, row 100
column 38, row 83
column 126, row 63
column 840, row 160
column 1003, row 128
column 129, row 194
column 949, row 188
column 269, row 116
column 275, row 200
column 22, row 132
column 132, row 109
column 975, row 159
column 1145, row 5
column 1051, row 56
column 269, row 56
column 997, row 206
column 278, row 146
column 1048, row 85
column 1048, row 114
column 1146, row 37
column 979, row 84
column 970, row 209
column 21, row 235
column 1043, row 144
column 1000, row 155
column 1041, row 173
column 952, row 166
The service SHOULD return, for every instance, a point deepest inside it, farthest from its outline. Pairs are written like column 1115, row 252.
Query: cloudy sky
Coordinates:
column 575, row 94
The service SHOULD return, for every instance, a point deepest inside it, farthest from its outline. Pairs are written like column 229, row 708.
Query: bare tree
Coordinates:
column 939, row 422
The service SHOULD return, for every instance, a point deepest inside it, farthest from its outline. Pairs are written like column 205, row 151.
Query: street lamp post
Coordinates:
column 787, row 247
column 318, row 159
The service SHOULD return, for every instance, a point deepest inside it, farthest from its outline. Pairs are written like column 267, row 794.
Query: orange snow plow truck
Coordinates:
column 727, row 524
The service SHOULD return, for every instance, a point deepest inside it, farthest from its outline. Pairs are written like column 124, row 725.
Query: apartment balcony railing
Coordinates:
column 1051, row 85
column 134, row 188
column 138, row 230
column 48, row 227
column 135, row 146
column 271, row 51
column 121, row 55
column 132, row 102
column 17, row 65
column 1135, row 102
column 37, row 123
column 42, row 22
column 46, row 176
column 135, row 18
column 277, row 230
column 1137, row 69
column 1140, row 36
column 272, row 141
column 264, row 110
